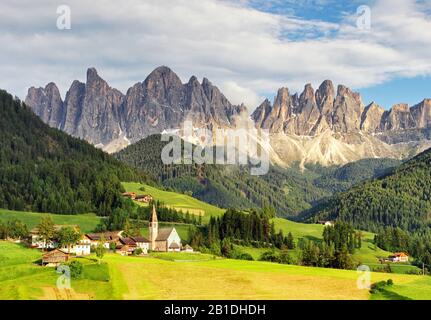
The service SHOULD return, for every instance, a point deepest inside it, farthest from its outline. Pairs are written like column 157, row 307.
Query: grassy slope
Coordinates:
column 194, row 276
column 176, row 200
column 148, row 278
column 87, row 222
column 21, row 278
column 369, row 254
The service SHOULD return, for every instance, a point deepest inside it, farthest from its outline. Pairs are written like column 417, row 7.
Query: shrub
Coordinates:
column 245, row 256
column 138, row 252
column 270, row 256
column 113, row 247
column 76, row 268
column 390, row 282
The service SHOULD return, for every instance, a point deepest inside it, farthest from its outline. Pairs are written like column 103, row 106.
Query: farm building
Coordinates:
column 396, row 257
column 131, row 195
column 187, row 248
column 142, row 243
column 81, row 248
column 54, row 258
column 144, row 198
column 108, row 238
column 37, row 242
column 400, row 257
column 326, row 223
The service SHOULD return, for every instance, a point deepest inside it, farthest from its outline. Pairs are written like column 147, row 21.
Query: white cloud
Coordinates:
column 238, row 94
column 242, row 50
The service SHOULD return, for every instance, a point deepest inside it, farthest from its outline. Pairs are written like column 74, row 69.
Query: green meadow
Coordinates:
column 87, row 222
column 368, row 254
column 191, row 276
column 175, row 200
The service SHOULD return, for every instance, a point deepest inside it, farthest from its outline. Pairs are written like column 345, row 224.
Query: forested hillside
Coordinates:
column 399, row 199
column 45, row 170
column 288, row 190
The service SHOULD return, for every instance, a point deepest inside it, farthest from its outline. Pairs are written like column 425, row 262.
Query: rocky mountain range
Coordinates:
column 325, row 126
column 111, row 120
column 334, row 127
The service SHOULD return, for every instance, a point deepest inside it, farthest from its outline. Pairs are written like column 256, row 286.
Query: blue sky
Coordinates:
column 401, row 90
column 409, row 90
column 248, row 48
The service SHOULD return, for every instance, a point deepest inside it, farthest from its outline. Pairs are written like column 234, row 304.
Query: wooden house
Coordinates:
column 144, row 198
column 54, row 258
column 131, row 195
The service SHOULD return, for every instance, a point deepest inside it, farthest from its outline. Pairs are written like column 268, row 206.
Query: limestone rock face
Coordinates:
column 325, row 126
column 372, row 118
column 398, row 118
column 307, row 117
column 47, row 103
column 261, row 113
column 334, row 128
column 421, row 114
column 106, row 117
column 348, row 109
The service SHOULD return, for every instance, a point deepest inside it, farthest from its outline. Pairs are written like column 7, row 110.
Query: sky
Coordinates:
column 248, row 48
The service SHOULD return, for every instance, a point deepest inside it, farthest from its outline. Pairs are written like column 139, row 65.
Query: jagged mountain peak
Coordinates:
column 168, row 77
column 110, row 119
column 92, row 73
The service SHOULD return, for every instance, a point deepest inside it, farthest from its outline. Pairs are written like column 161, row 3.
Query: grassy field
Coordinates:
column 176, row 200
column 192, row 276
column 22, row 278
column 87, row 222
column 368, row 254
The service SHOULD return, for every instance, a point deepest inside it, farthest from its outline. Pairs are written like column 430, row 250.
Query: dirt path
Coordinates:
column 52, row 293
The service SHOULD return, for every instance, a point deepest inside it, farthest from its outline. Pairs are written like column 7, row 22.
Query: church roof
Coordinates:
column 164, row 234
column 128, row 241
column 140, row 239
column 153, row 217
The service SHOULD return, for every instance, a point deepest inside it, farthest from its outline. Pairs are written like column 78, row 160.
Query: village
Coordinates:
column 159, row 240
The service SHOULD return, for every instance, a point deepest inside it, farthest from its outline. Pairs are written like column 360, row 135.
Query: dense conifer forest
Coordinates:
column 45, row 170
column 289, row 190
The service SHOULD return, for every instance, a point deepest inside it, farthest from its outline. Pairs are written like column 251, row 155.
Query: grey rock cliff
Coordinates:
column 100, row 114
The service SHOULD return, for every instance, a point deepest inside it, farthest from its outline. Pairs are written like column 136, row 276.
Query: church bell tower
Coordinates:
column 153, row 228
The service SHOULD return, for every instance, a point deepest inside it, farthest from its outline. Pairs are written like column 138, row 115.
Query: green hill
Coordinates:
column 44, row 170
column 175, row 200
column 399, row 199
column 289, row 190
column 86, row 222
column 368, row 254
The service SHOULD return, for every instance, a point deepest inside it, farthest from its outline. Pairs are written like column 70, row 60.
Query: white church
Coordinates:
column 165, row 239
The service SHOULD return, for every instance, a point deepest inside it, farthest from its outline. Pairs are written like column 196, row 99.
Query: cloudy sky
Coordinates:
column 248, row 48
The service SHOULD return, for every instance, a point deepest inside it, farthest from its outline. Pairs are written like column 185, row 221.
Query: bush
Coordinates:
column 245, row 256
column 285, row 257
column 76, row 268
column 269, row 256
column 138, row 252
column 380, row 286
column 113, row 247
column 390, row 282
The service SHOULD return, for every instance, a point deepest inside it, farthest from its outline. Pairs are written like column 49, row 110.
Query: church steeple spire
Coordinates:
column 153, row 217
column 153, row 227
